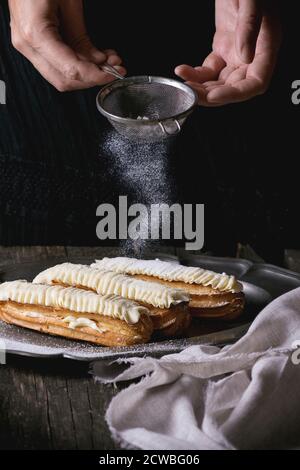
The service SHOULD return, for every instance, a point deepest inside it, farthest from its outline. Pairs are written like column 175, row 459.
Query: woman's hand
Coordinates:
column 53, row 37
column 245, row 49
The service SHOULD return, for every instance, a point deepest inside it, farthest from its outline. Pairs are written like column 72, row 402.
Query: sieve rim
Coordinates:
column 146, row 79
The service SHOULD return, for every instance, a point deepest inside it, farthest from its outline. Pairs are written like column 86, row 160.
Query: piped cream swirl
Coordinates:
column 75, row 300
column 74, row 323
column 169, row 271
column 109, row 282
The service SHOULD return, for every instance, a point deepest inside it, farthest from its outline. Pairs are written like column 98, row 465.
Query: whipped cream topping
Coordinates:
column 75, row 300
column 109, row 282
column 34, row 315
column 169, row 271
column 74, row 323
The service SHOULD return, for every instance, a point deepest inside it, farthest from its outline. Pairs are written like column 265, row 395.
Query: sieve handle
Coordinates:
column 166, row 132
column 111, row 70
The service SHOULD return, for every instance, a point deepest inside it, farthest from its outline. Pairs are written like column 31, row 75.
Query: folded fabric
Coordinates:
column 243, row 396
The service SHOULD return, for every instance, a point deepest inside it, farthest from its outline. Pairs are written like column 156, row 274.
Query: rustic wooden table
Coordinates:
column 55, row 404
column 52, row 404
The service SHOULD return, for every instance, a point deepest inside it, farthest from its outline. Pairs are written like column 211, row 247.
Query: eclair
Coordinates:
column 212, row 295
column 168, row 306
column 78, row 314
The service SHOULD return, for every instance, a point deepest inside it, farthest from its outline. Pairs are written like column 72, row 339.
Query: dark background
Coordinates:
column 240, row 160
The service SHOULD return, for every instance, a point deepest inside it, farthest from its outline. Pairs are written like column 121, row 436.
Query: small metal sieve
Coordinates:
column 147, row 109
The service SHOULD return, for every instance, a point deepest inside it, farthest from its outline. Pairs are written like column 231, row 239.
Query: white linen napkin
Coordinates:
column 243, row 396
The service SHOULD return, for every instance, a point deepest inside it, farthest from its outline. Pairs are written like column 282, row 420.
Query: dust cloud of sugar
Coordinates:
column 144, row 170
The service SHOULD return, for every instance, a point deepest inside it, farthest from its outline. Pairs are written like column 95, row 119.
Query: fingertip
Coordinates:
column 114, row 60
column 98, row 57
column 121, row 70
column 180, row 69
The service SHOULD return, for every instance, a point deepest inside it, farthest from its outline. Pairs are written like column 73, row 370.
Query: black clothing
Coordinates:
column 238, row 160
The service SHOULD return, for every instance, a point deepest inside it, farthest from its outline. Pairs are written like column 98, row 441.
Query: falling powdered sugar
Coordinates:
column 144, row 171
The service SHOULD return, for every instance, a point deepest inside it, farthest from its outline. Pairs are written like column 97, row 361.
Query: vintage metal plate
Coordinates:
column 261, row 284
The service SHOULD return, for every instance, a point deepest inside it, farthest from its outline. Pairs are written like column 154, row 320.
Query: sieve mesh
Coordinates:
column 147, row 108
